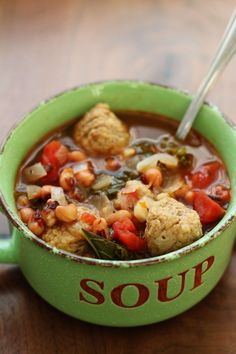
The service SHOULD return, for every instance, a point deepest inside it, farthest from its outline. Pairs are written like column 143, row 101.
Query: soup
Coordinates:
column 120, row 186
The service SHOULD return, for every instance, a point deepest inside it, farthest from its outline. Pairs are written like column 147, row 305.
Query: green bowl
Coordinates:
column 117, row 293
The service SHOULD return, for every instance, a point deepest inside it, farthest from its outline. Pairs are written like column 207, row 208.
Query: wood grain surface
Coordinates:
column 48, row 46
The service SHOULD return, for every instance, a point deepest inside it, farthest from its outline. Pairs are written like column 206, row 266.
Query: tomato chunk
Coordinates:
column 125, row 224
column 52, row 168
column 207, row 209
column 125, row 232
column 53, row 157
column 131, row 241
column 205, row 175
column 51, row 148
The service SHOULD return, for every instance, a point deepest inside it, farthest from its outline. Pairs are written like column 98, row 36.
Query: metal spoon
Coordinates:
column 225, row 52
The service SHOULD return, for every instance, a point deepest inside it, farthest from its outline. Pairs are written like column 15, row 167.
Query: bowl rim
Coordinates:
column 171, row 256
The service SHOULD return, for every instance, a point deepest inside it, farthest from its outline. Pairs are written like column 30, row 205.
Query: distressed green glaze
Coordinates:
column 61, row 278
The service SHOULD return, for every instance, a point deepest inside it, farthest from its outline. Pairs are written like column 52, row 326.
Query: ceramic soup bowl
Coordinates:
column 117, row 293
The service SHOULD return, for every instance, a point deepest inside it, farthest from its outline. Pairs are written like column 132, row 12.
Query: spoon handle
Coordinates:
column 225, row 51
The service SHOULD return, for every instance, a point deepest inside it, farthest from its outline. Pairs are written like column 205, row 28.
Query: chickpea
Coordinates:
column 76, row 194
column 36, row 223
column 100, row 225
column 182, row 191
column 153, row 177
column 48, row 212
column 66, row 179
column 128, row 152
column 45, row 191
column 26, row 214
column 76, row 156
column 49, row 217
column 112, row 164
column 51, row 204
column 66, row 213
column 189, row 196
column 22, row 201
column 118, row 215
column 36, row 227
column 185, row 193
column 85, row 178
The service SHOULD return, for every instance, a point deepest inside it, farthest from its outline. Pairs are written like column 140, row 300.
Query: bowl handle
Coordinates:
column 8, row 248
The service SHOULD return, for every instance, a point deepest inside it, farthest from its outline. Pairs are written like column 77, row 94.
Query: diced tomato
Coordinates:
column 127, row 224
column 124, row 224
column 124, row 231
column 56, row 150
column 207, row 209
column 205, row 175
column 62, row 155
column 88, row 218
column 132, row 241
column 52, row 167
column 53, row 157
column 116, row 229
column 51, row 148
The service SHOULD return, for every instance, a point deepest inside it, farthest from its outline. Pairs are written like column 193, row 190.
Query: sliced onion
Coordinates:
column 173, row 183
column 102, row 203
column 33, row 191
column 102, row 181
column 151, row 161
column 35, row 172
column 132, row 163
column 58, row 195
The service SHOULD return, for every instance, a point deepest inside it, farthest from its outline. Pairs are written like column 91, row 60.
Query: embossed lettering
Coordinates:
column 143, row 295
column 98, row 297
column 199, row 271
column 163, row 288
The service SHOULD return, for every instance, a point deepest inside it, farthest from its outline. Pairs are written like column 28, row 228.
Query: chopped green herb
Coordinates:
column 144, row 147
column 186, row 160
column 118, row 181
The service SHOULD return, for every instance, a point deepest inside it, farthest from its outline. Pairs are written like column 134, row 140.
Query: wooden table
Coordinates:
column 48, row 46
